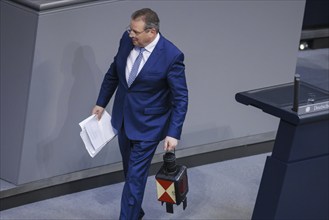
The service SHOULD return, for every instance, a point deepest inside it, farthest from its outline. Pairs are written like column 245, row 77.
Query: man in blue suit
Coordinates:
column 148, row 75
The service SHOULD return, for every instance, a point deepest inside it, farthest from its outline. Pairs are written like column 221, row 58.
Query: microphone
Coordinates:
column 296, row 93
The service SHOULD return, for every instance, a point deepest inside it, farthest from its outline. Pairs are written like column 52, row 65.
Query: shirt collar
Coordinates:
column 152, row 45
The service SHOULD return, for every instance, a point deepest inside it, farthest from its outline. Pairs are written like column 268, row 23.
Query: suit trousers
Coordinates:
column 136, row 158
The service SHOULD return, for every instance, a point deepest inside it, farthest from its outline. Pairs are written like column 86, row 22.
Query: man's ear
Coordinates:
column 153, row 31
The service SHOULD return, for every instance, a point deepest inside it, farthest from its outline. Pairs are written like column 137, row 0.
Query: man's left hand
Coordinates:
column 170, row 143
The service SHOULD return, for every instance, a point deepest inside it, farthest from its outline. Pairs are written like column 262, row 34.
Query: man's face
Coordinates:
column 139, row 36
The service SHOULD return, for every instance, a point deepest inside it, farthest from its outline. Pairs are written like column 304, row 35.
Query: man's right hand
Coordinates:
column 98, row 111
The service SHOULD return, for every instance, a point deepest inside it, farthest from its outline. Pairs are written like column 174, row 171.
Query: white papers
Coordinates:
column 95, row 133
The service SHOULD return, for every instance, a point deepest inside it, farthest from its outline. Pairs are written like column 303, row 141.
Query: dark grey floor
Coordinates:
column 223, row 190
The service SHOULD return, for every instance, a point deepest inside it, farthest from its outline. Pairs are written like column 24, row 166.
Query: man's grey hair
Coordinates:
column 149, row 16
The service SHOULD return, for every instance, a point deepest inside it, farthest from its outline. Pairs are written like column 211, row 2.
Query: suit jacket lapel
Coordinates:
column 153, row 57
column 122, row 59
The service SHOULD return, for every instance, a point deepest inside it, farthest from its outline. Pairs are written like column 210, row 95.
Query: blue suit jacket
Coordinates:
column 155, row 105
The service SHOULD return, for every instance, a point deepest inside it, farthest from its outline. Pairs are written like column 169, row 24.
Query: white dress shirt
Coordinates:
column 146, row 54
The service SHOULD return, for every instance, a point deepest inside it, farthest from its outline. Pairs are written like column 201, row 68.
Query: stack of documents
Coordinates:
column 95, row 133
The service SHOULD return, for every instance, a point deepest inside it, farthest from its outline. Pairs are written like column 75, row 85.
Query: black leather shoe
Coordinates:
column 141, row 214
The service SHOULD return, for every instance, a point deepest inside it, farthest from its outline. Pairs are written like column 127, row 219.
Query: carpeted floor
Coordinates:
column 223, row 190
